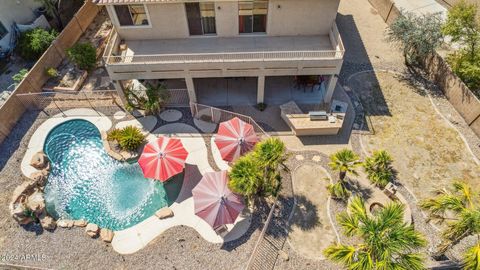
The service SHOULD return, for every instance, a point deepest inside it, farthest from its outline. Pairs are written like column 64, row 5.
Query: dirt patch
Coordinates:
column 428, row 153
column 311, row 230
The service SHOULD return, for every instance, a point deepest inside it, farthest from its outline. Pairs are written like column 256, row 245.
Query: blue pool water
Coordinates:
column 86, row 183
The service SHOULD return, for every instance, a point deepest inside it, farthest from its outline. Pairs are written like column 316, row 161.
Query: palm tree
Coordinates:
column 245, row 177
column 344, row 161
column 379, row 168
column 458, row 208
column 388, row 242
column 270, row 155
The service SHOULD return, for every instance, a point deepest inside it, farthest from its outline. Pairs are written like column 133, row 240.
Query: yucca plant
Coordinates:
column 245, row 177
column 129, row 138
column 388, row 242
column 379, row 168
column 459, row 209
column 344, row 161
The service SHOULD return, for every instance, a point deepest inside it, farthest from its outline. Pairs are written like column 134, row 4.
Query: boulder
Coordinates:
column 80, row 223
column 91, row 229
column 164, row 213
column 40, row 161
column 47, row 222
column 65, row 223
column 20, row 191
column 106, row 235
column 36, row 202
column 18, row 212
column 283, row 255
column 39, row 177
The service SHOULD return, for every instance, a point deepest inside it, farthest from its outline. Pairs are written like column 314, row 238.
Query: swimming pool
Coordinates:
column 86, row 183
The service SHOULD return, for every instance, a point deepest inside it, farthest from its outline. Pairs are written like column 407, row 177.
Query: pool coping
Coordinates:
column 138, row 236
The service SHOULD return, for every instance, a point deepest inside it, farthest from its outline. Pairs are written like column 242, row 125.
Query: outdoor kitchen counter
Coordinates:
column 302, row 125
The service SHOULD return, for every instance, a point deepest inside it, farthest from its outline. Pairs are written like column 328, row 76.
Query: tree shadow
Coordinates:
column 357, row 189
column 305, row 215
column 257, row 222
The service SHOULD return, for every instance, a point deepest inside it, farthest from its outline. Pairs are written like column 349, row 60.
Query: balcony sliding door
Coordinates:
column 252, row 16
column 201, row 18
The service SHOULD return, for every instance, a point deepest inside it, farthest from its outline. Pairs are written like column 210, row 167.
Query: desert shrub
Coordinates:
column 245, row 177
column 51, row 72
column 17, row 78
column 129, row 138
column 416, row 35
column 84, row 55
column 33, row 43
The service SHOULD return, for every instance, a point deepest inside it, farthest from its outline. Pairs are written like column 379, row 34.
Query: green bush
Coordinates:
column 129, row 138
column 245, row 177
column 33, row 43
column 17, row 78
column 51, row 72
column 466, row 69
column 84, row 55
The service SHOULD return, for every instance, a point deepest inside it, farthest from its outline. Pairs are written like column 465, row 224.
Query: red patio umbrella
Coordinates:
column 163, row 158
column 214, row 201
column 234, row 138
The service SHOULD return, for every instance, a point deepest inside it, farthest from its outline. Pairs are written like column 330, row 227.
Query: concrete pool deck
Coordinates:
column 133, row 239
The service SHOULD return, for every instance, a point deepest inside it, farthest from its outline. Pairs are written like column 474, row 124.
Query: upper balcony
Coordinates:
column 223, row 56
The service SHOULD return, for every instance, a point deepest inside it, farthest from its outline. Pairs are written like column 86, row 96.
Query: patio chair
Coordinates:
column 221, row 230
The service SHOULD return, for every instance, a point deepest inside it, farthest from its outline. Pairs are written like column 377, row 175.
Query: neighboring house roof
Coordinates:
column 113, row 2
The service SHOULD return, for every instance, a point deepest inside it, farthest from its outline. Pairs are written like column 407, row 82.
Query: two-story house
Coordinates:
column 194, row 40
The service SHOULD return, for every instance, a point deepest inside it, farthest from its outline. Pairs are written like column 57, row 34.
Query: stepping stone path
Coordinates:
column 171, row 115
column 119, row 115
column 299, row 157
column 316, row 158
column 204, row 126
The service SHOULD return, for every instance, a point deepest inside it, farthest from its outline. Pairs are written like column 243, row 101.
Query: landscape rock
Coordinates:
column 106, row 235
column 36, row 202
column 80, row 223
column 20, row 191
column 40, row 161
column 39, row 177
column 65, row 223
column 164, row 213
column 91, row 229
column 47, row 222
column 283, row 255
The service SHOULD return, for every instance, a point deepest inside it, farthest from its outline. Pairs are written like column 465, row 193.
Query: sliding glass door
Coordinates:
column 252, row 16
column 201, row 18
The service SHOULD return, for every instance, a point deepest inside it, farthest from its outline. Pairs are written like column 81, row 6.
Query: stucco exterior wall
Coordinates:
column 285, row 18
column 16, row 11
column 301, row 17
column 167, row 21
column 226, row 21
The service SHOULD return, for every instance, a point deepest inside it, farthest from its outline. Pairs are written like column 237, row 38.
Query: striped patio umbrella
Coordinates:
column 214, row 202
column 234, row 138
column 163, row 158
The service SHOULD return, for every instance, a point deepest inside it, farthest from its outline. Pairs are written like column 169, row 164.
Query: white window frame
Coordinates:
column 117, row 22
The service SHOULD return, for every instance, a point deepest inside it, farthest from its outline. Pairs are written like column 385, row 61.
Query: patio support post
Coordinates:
column 330, row 88
column 118, row 86
column 261, row 89
column 191, row 89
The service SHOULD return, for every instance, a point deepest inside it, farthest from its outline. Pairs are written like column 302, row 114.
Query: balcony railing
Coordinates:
column 225, row 57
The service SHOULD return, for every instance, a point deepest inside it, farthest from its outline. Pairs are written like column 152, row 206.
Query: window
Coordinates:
column 131, row 15
column 201, row 18
column 3, row 31
column 252, row 16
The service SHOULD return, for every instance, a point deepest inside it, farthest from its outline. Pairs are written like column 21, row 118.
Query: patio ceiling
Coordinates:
column 120, row 2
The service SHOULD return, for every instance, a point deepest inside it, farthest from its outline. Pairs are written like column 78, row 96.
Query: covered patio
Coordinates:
column 240, row 91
